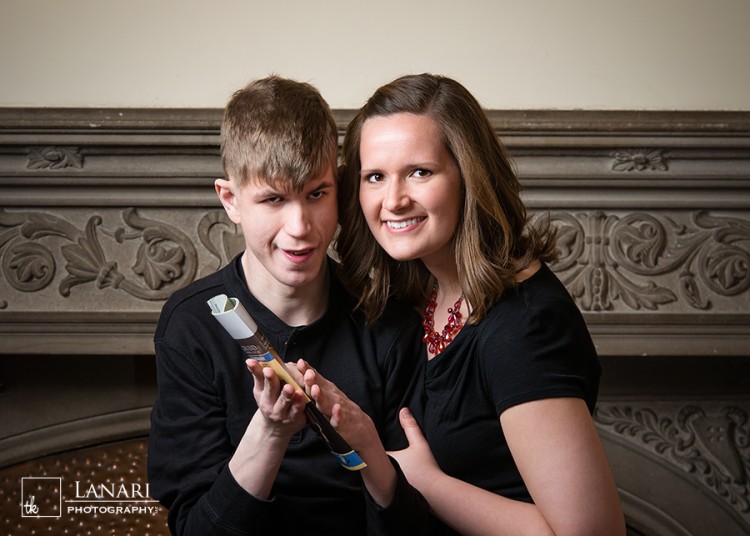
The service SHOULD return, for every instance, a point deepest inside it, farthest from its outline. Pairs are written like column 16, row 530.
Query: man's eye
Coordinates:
column 273, row 200
column 317, row 195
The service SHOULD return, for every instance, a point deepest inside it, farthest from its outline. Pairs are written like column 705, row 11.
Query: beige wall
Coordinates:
column 513, row 54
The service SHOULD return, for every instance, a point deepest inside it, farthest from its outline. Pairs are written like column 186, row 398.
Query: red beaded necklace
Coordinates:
column 436, row 342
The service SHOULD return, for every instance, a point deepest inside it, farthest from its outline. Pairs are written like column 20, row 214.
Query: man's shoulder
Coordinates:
column 398, row 318
column 190, row 301
column 399, row 311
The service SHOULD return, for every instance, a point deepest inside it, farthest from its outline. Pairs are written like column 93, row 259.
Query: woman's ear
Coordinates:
column 225, row 189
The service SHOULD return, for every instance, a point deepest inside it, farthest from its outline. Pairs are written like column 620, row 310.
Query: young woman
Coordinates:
column 431, row 213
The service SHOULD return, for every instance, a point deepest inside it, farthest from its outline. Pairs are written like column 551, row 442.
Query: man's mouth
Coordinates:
column 298, row 252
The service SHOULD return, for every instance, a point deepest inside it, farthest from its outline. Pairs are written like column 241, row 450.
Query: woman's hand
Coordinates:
column 416, row 461
column 357, row 428
column 354, row 425
column 282, row 407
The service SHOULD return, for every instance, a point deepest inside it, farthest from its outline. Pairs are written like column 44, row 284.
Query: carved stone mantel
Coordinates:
column 106, row 212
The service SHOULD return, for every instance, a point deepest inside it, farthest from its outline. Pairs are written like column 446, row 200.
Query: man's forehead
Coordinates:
column 278, row 184
column 286, row 185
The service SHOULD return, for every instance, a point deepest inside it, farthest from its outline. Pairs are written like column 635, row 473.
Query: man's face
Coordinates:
column 287, row 233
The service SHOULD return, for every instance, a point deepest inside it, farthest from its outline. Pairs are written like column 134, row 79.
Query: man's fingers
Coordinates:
column 255, row 369
column 286, row 395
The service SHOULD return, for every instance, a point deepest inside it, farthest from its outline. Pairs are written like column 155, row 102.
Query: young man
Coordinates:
column 229, row 452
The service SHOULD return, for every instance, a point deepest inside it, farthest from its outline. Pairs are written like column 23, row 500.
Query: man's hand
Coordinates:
column 282, row 407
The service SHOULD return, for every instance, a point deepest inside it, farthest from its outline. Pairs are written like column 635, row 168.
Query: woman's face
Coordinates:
column 410, row 187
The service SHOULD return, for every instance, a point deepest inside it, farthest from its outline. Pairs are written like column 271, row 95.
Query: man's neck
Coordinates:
column 295, row 306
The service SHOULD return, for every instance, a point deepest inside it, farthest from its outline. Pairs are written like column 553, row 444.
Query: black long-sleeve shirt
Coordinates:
column 205, row 403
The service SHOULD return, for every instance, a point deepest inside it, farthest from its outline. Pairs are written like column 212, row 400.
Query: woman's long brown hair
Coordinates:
column 493, row 240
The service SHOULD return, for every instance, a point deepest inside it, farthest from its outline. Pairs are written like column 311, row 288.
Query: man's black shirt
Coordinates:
column 205, row 403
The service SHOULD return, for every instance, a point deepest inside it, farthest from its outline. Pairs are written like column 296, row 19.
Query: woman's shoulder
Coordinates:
column 538, row 301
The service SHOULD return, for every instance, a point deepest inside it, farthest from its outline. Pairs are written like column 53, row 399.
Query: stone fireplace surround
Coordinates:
column 106, row 212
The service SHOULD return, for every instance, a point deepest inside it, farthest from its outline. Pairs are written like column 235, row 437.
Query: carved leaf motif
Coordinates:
column 716, row 435
column 730, row 270
column 7, row 236
column 55, row 158
column 641, row 238
column 26, row 263
column 86, row 262
column 636, row 296
column 712, row 255
column 706, row 446
column 644, row 424
column 581, row 285
column 166, row 255
column 691, row 292
column 639, row 160
column 229, row 242
column 644, row 247
column 39, row 225
column 29, row 267
column 566, row 239
column 158, row 265
column 570, row 238
column 729, row 230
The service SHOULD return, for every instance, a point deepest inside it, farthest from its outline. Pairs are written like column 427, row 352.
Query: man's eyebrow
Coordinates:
column 269, row 191
column 325, row 183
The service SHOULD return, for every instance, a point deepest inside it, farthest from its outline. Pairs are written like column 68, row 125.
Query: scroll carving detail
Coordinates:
column 713, row 447
column 601, row 257
column 165, row 260
column 221, row 237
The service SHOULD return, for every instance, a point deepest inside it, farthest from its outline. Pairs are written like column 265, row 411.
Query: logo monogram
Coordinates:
column 41, row 496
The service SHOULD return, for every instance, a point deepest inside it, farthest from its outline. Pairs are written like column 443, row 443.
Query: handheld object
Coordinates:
column 240, row 325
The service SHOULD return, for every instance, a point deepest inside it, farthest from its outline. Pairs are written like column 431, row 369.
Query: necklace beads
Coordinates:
column 436, row 342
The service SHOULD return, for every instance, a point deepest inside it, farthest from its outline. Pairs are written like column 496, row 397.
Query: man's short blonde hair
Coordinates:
column 276, row 129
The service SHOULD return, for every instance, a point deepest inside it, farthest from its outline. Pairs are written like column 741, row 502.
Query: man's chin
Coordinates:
column 302, row 277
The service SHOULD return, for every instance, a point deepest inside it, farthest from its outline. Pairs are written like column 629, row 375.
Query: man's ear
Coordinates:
column 225, row 191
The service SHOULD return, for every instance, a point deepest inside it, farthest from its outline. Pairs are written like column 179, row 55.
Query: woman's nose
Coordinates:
column 396, row 196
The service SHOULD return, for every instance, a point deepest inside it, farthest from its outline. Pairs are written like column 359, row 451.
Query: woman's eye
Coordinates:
column 422, row 173
column 374, row 177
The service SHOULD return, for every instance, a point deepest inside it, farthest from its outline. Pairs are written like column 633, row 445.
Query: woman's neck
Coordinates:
column 445, row 273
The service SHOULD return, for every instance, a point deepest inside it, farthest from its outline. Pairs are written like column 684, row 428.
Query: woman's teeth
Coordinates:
column 402, row 224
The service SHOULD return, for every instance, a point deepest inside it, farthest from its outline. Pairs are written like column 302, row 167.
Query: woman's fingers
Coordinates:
column 411, row 428
column 336, row 416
